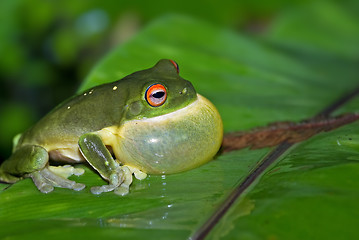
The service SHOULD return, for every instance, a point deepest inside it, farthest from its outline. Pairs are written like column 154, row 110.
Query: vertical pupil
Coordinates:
column 158, row 94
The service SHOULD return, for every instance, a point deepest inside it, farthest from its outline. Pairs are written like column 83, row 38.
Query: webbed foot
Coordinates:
column 49, row 177
column 120, row 180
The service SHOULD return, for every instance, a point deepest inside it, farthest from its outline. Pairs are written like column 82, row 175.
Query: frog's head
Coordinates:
column 157, row 91
column 168, row 126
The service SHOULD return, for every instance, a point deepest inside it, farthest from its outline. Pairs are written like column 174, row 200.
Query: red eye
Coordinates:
column 176, row 65
column 156, row 95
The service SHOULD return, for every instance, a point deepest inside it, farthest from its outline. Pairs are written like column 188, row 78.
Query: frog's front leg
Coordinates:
column 32, row 161
column 99, row 157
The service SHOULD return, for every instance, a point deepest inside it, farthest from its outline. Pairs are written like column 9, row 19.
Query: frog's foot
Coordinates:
column 50, row 177
column 120, row 180
column 66, row 171
column 137, row 172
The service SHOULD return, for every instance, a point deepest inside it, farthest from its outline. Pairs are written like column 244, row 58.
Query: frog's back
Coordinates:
column 90, row 111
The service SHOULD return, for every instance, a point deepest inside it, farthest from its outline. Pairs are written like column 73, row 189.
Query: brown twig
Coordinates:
column 279, row 132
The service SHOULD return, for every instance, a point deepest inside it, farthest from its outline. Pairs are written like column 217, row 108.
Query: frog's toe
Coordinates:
column 119, row 182
column 41, row 183
column 104, row 188
column 122, row 190
column 124, row 187
column 78, row 186
column 45, row 180
column 59, row 181
column 66, row 170
column 137, row 173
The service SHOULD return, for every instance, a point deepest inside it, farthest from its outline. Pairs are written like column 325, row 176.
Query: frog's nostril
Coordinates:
column 184, row 91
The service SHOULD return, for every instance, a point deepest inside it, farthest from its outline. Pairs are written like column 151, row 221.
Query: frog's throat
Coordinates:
column 199, row 124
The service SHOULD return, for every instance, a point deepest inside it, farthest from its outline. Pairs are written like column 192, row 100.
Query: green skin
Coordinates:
column 115, row 119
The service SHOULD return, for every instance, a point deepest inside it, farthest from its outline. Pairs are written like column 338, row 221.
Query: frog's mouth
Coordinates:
column 173, row 142
column 192, row 108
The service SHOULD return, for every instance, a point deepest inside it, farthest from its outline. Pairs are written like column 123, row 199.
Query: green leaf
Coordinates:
column 334, row 29
column 310, row 193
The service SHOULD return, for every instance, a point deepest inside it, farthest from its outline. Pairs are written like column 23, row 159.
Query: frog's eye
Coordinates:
column 156, row 95
column 176, row 65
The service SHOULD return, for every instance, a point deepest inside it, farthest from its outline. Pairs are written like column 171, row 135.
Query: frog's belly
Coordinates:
column 67, row 154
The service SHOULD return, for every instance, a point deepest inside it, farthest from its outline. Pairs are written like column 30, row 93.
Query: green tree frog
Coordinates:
column 150, row 122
